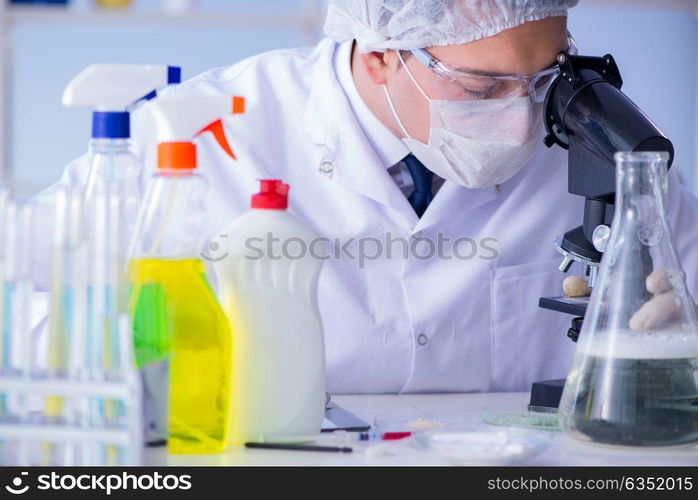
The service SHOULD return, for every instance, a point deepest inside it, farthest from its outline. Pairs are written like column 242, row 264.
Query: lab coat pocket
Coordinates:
column 528, row 343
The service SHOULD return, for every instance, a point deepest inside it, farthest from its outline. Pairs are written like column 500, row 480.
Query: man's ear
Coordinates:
column 376, row 65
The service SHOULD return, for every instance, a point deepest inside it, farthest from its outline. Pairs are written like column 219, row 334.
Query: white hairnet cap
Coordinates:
column 377, row 25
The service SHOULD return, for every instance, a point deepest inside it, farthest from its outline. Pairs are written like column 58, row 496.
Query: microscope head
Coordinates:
column 587, row 114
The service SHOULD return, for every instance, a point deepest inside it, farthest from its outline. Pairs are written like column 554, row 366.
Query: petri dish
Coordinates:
column 483, row 446
column 522, row 419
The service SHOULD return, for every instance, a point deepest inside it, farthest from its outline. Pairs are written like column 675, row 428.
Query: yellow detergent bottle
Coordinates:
column 182, row 338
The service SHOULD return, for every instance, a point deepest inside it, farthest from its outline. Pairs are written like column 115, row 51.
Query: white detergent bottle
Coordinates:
column 278, row 382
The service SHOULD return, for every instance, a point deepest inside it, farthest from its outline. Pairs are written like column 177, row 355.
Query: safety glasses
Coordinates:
column 459, row 85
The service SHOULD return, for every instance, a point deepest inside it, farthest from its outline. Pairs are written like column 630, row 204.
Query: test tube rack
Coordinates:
column 23, row 430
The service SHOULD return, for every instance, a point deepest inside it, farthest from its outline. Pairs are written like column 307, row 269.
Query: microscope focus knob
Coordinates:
column 573, row 332
column 600, row 237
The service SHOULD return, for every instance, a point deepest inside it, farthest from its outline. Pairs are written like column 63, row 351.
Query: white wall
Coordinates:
column 50, row 50
column 656, row 49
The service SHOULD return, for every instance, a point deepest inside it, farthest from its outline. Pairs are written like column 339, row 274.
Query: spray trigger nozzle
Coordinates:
column 216, row 128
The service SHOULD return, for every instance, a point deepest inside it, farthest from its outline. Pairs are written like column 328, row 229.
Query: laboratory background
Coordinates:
column 44, row 44
column 116, row 349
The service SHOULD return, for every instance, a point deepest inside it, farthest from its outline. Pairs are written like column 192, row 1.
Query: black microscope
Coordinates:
column 587, row 114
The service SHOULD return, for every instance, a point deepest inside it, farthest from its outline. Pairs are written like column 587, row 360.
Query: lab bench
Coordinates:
column 561, row 450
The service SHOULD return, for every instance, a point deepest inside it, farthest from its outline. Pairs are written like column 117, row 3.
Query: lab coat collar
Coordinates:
column 316, row 129
column 347, row 156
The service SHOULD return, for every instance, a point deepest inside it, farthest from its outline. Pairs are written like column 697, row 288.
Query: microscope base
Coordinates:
column 545, row 395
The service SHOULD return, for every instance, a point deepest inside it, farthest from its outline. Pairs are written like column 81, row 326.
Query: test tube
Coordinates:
column 65, row 357
column 21, row 285
column 60, row 301
column 109, row 264
column 107, row 260
column 6, row 446
column 6, row 227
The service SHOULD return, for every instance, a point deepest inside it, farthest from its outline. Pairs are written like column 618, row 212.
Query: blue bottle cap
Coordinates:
column 111, row 125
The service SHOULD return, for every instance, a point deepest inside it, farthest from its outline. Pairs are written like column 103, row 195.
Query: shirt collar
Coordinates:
column 389, row 148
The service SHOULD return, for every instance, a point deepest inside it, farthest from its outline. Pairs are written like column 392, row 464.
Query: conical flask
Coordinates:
column 634, row 378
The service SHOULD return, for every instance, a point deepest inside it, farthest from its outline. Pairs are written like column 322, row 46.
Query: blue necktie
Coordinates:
column 421, row 177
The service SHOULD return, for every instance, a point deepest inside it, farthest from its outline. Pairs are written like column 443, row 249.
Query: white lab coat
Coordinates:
column 403, row 325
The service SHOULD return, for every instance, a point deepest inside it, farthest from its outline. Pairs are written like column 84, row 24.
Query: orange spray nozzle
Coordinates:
column 216, row 128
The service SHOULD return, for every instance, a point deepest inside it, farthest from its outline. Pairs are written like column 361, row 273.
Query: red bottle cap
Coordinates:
column 273, row 195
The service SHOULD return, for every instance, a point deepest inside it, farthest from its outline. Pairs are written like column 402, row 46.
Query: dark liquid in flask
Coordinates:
column 636, row 402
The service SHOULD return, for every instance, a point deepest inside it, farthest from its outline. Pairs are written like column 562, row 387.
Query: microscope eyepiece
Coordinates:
column 586, row 113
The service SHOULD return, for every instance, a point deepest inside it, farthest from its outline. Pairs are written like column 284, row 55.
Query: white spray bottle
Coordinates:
column 112, row 90
column 101, row 207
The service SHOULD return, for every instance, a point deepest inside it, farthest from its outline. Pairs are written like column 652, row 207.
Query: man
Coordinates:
column 427, row 171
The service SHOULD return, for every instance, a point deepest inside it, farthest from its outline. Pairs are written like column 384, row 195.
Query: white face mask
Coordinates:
column 476, row 143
